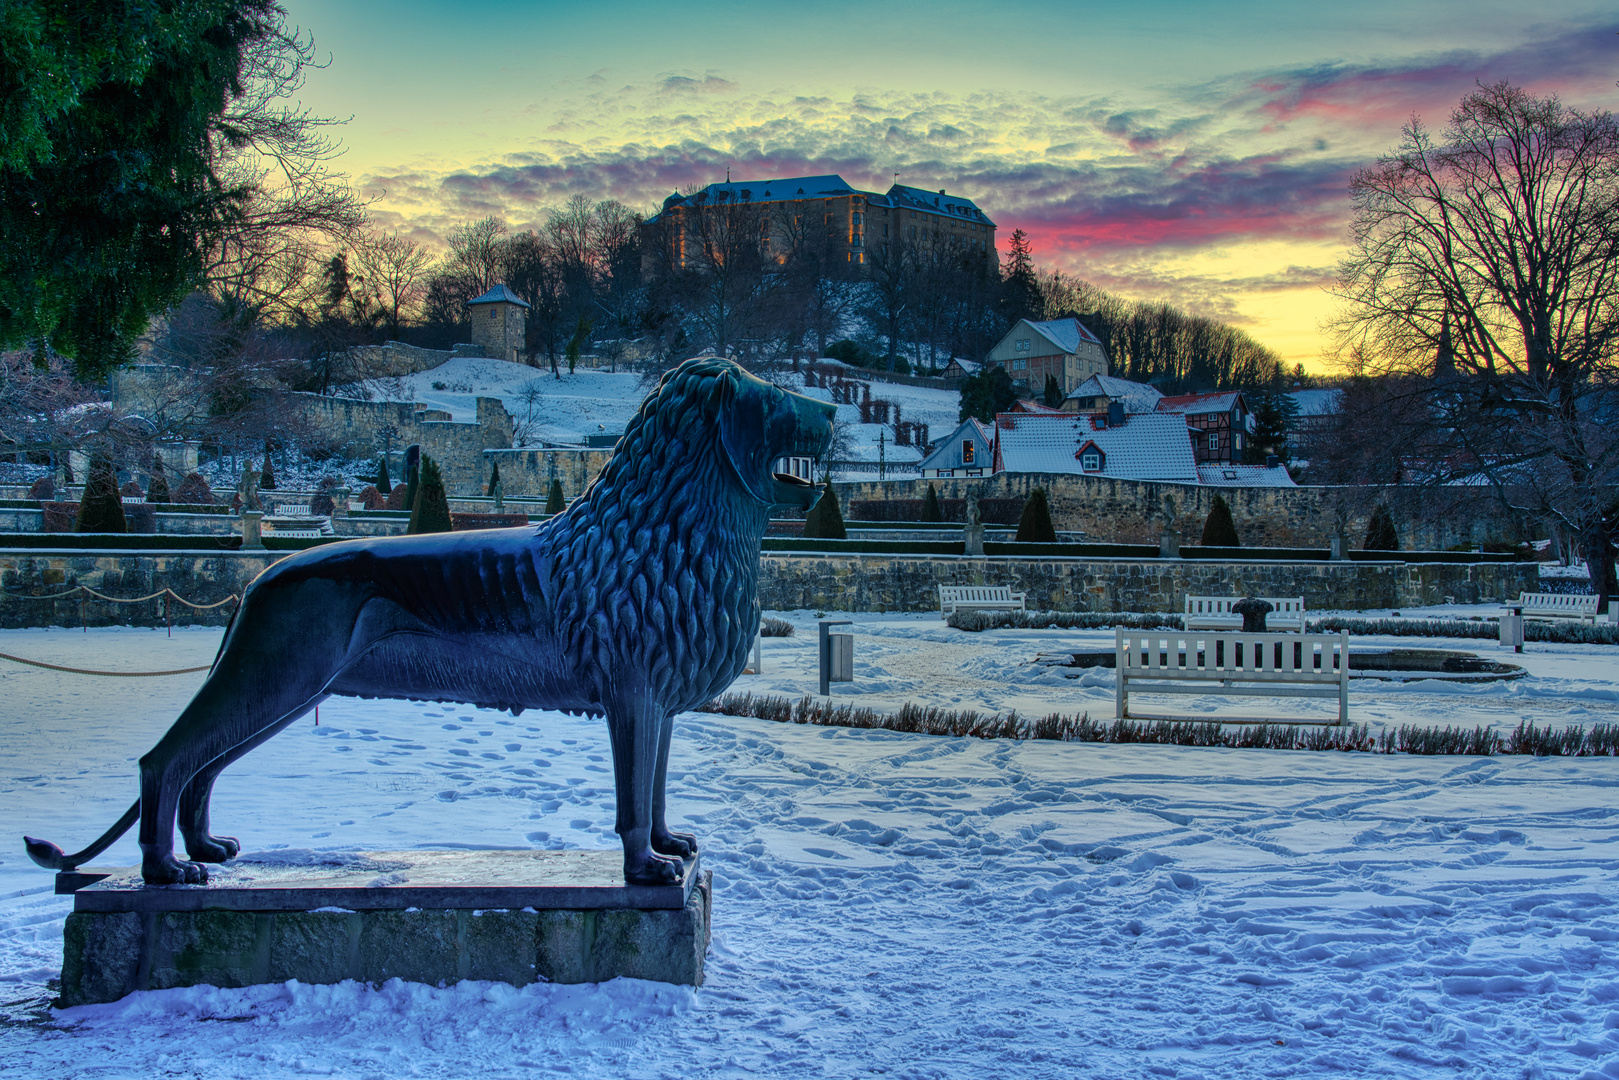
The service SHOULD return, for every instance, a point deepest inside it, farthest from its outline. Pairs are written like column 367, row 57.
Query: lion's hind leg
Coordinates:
column 201, row 845
column 633, row 723
column 678, row 844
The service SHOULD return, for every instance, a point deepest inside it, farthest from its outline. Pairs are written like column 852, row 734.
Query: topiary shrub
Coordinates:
column 431, row 514
column 825, row 519
column 554, row 503
column 157, row 490
column 384, row 484
column 1034, row 526
column 930, row 505
column 43, row 489
column 267, row 474
column 194, row 490
column 494, row 478
column 413, row 474
column 372, row 499
column 396, row 498
column 101, row 510
column 1380, row 534
column 1218, row 528
column 322, row 505
column 131, row 490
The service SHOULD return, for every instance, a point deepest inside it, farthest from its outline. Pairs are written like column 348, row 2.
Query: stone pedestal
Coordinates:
column 423, row 916
column 1169, row 544
column 1340, row 548
column 252, row 530
column 973, row 540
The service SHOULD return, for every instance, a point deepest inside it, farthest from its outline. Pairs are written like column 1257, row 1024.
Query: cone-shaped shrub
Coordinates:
column 44, row 489
column 372, row 499
column 158, row 490
column 385, row 486
column 1380, row 534
column 825, row 519
column 930, row 505
column 1218, row 528
column 101, row 510
column 413, row 474
column 267, row 474
column 194, row 489
column 1034, row 526
column 431, row 513
column 494, row 478
column 396, row 499
column 553, row 498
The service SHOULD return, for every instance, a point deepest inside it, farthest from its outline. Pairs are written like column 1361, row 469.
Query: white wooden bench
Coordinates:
column 1556, row 606
column 1222, row 664
column 978, row 598
column 1214, row 613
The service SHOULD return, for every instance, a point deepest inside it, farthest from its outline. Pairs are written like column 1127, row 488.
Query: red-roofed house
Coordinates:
column 1219, row 424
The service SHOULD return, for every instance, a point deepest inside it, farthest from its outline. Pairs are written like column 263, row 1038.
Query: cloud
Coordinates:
column 686, row 84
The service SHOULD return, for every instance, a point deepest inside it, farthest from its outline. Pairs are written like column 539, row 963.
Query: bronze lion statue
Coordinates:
column 638, row 602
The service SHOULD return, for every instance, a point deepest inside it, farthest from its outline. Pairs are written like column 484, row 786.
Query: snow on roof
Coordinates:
column 936, row 202
column 1317, row 402
column 1200, row 403
column 1136, row 397
column 1243, row 476
column 1151, row 446
column 498, row 295
column 1066, row 334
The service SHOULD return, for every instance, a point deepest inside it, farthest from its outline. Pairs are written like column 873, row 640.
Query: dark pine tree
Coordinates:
column 1022, row 290
column 267, row 474
column 1052, row 396
column 1034, row 525
column 930, row 505
column 385, row 486
column 825, row 519
column 1218, row 528
column 554, row 503
column 494, row 478
column 987, row 393
column 101, row 509
column 1380, row 534
column 431, row 512
column 413, row 474
column 158, row 490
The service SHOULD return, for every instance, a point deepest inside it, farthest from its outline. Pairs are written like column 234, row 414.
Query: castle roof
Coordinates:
column 500, row 294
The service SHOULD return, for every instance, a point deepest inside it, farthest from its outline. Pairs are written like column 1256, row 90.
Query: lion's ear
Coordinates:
column 743, row 436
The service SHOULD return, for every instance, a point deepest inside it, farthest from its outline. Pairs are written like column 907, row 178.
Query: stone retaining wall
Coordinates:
column 814, row 582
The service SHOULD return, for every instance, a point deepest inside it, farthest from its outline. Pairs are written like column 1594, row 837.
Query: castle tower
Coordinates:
column 498, row 323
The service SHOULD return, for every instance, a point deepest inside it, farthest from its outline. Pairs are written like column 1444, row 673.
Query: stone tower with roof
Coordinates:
column 499, row 319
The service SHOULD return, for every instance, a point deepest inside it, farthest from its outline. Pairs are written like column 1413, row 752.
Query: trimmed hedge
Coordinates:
column 151, row 542
column 863, row 547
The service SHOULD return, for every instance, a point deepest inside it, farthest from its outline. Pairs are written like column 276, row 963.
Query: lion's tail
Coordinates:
column 51, row 857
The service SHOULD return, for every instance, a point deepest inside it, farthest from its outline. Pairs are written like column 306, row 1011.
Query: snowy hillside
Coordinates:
column 563, row 411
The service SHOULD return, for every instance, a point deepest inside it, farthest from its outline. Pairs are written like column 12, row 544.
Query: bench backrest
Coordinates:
column 1285, row 606
column 971, row 594
column 1232, row 655
column 1573, row 604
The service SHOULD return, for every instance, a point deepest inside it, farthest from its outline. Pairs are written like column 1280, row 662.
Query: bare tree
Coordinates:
column 891, row 291
column 1488, row 260
column 478, row 253
column 395, row 270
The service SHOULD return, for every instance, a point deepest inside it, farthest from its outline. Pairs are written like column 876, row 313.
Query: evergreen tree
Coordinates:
column 1053, row 393
column 1022, row 289
column 158, row 490
column 494, row 477
column 825, row 519
column 1275, row 415
column 930, row 505
column 1380, row 534
column 987, row 393
column 413, row 474
column 101, row 510
column 194, row 489
column 385, row 486
column 554, row 503
column 1034, row 525
column 1218, row 528
column 267, row 474
column 431, row 511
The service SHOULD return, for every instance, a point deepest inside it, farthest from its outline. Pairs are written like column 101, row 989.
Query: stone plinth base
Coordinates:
column 431, row 917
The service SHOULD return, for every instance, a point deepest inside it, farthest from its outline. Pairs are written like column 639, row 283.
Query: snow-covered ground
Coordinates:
column 892, row 904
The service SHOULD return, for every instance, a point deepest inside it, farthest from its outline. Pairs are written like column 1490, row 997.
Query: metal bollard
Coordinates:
column 1512, row 628
column 846, row 669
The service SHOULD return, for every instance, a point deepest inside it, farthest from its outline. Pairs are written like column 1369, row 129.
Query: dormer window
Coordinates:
column 1091, row 461
column 967, row 450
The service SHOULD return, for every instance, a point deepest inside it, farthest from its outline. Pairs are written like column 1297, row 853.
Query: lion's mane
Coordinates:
column 655, row 567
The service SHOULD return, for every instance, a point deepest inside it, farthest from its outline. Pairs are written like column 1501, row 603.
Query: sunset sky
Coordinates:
column 1195, row 152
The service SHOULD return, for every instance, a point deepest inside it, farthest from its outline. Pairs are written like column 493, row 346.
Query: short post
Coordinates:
column 972, row 538
column 252, row 539
column 826, row 634
column 1340, row 548
column 758, row 654
column 1169, row 544
column 1512, row 627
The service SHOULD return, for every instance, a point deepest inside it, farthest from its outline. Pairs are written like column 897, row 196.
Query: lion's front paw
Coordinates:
column 679, row 844
column 650, row 869
column 168, row 870
column 212, row 848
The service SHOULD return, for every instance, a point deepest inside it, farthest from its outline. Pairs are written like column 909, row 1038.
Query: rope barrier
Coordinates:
column 123, row 599
column 92, row 671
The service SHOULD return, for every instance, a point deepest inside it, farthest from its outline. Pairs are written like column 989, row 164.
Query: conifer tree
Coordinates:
column 158, row 490
column 385, row 486
column 101, row 509
column 431, row 511
column 413, row 474
column 1052, row 395
column 1380, row 534
column 267, row 474
column 1034, row 524
column 930, row 505
column 825, row 519
column 494, row 477
column 554, row 503
column 1218, row 528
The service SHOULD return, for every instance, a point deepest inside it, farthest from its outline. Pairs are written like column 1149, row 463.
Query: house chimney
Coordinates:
column 1115, row 414
column 1271, row 461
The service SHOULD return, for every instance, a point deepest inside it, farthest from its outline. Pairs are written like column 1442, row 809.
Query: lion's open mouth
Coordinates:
column 791, row 481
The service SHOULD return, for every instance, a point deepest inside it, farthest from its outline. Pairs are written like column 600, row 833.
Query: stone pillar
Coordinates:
column 252, row 540
column 340, row 499
column 1340, row 548
column 973, row 540
column 1169, row 544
